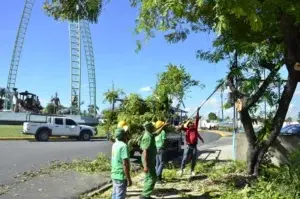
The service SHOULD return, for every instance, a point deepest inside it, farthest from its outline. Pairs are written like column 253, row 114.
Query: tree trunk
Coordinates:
column 257, row 150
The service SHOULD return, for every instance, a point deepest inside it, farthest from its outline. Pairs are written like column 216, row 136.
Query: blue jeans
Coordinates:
column 119, row 189
column 190, row 152
column 160, row 163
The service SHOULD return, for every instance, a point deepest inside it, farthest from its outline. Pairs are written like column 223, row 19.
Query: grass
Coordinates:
column 213, row 179
column 12, row 131
column 16, row 131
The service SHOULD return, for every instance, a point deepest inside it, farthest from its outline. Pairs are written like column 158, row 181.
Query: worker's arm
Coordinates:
column 197, row 118
column 126, row 164
column 145, row 160
column 199, row 136
column 145, row 145
column 181, row 128
column 126, row 167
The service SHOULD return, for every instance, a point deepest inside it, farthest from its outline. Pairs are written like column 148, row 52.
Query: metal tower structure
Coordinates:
column 79, row 33
column 14, row 65
column 75, row 55
column 90, row 61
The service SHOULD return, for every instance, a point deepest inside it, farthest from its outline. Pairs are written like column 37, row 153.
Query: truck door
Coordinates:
column 59, row 127
column 73, row 127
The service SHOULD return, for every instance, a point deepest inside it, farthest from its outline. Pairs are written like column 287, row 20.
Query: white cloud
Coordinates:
column 146, row 89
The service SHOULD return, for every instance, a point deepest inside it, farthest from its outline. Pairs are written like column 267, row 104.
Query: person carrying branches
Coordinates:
column 191, row 138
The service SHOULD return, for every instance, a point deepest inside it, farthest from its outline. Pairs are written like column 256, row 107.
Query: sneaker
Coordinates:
column 193, row 173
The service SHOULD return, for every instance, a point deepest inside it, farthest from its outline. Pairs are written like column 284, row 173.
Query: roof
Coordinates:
column 178, row 110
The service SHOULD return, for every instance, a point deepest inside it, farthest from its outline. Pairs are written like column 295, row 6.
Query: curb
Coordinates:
column 221, row 133
column 51, row 138
column 103, row 187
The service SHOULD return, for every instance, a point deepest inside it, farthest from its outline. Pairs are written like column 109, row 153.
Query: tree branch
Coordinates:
column 254, row 98
column 249, row 130
column 267, row 65
column 283, row 107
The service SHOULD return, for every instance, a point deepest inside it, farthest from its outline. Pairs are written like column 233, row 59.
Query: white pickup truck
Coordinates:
column 57, row 127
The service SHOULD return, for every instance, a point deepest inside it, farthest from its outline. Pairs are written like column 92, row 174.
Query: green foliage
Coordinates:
column 169, row 174
column 174, row 83
column 218, row 173
column 49, row 109
column 100, row 164
column 74, row 10
column 135, row 110
column 110, row 118
column 212, row 116
column 275, row 182
column 111, row 95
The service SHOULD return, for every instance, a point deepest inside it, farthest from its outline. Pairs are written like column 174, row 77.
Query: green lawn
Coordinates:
column 16, row 131
column 12, row 131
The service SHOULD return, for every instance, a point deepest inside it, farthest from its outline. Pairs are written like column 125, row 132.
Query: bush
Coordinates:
column 275, row 183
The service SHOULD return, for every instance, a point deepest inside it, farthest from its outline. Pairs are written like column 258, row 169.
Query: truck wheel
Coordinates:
column 36, row 137
column 43, row 136
column 85, row 136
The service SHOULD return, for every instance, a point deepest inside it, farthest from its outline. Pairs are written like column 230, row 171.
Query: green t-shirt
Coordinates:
column 148, row 143
column 118, row 154
column 160, row 139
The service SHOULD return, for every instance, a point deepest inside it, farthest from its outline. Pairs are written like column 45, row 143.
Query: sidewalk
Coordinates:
column 58, row 185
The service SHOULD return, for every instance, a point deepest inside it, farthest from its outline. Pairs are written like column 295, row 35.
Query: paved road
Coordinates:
column 20, row 156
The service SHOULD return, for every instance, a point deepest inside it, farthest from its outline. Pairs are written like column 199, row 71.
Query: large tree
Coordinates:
column 74, row 10
column 252, row 34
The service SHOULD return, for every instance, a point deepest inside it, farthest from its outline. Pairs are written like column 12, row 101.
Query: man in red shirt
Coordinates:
column 191, row 139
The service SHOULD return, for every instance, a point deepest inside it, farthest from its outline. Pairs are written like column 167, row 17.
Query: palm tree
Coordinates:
column 112, row 95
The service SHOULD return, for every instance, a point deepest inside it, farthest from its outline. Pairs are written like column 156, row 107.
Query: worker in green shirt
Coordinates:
column 160, row 141
column 148, row 160
column 120, row 167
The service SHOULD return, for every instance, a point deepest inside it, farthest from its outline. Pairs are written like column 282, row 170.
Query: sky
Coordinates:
column 45, row 61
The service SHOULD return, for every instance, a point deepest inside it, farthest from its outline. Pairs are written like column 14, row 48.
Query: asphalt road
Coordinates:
column 20, row 156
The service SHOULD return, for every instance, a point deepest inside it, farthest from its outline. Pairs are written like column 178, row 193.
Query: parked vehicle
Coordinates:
column 211, row 125
column 57, row 127
column 290, row 129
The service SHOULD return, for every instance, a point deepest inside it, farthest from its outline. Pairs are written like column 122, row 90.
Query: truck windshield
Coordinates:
column 70, row 122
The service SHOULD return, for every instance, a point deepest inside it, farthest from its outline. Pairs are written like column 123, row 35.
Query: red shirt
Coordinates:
column 191, row 134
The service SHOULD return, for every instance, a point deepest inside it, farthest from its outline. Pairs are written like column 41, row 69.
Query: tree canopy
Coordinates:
column 254, row 36
column 74, row 10
column 212, row 116
column 135, row 110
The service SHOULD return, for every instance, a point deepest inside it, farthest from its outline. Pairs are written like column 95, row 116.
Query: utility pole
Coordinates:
column 222, row 105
